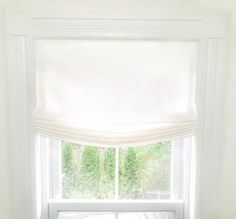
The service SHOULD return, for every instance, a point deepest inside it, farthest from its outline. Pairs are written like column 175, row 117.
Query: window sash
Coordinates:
column 51, row 189
column 176, row 207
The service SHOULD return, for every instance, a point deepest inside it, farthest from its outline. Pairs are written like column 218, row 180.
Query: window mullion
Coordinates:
column 56, row 170
column 176, row 172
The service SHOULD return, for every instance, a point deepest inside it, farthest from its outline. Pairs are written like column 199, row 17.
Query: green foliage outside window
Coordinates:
column 129, row 174
column 69, row 169
column 89, row 172
column 108, row 174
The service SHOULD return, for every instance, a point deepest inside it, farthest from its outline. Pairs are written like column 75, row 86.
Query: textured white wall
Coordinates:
column 99, row 5
column 227, row 195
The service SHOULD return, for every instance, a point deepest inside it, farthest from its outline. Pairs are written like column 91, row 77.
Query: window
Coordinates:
column 115, row 112
column 137, row 175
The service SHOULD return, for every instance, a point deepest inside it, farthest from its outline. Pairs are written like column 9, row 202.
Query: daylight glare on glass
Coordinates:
column 86, row 215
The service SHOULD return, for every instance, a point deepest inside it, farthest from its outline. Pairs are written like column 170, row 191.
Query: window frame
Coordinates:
column 23, row 28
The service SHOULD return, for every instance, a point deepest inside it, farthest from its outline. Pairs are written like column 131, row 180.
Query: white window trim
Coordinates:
column 22, row 29
column 176, row 207
column 55, row 180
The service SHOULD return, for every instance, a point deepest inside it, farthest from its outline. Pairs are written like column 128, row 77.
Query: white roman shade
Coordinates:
column 115, row 92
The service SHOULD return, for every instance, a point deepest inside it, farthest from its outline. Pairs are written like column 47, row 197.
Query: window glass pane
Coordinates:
column 146, row 215
column 86, row 215
column 110, row 215
column 90, row 172
column 87, row 172
column 145, row 172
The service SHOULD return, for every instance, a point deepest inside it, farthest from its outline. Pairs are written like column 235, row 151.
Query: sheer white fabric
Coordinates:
column 115, row 92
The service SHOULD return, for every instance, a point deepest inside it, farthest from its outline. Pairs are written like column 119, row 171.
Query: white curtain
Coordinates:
column 115, row 92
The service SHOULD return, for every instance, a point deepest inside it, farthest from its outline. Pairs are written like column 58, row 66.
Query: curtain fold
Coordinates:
column 138, row 135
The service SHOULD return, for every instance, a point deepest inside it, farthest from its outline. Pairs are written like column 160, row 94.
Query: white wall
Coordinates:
column 227, row 195
column 3, row 123
column 99, row 5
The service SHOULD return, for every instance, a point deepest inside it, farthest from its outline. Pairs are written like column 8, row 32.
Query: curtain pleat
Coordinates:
column 105, row 137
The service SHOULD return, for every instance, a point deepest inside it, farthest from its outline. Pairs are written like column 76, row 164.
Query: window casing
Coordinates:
column 22, row 32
